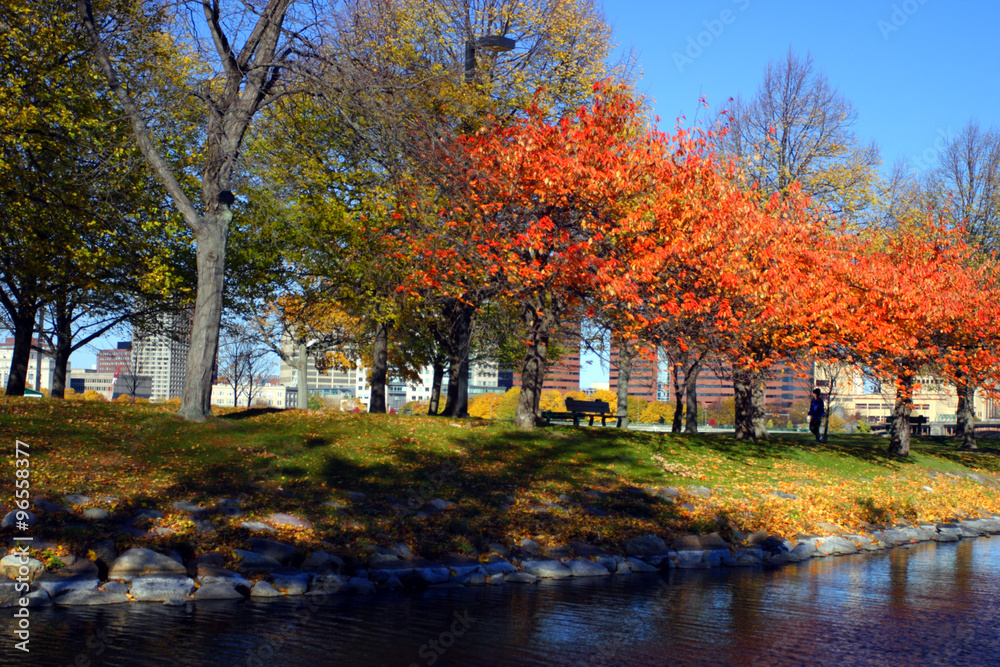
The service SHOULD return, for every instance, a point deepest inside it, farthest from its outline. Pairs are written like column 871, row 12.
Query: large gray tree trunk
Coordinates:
column 899, row 432
column 461, row 316
column 196, row 399
column 747, row 387
column 966, row 427
column 24, row 326
column 436, row 382
column 691, row 397
column 248, row 75
column 302, row 367
column 380, row 368
column 539, row 322
column 626, row 352
column 64, row 347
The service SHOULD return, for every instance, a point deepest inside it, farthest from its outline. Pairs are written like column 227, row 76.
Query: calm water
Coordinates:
column 925, row 605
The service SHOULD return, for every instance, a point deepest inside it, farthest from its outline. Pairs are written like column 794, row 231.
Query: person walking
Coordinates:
column 816, row 413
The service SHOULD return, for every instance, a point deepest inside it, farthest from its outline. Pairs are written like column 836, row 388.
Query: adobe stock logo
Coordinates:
column 714, row 28
column 901, row 13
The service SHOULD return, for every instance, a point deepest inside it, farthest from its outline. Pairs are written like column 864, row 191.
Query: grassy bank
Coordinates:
column 554, row 485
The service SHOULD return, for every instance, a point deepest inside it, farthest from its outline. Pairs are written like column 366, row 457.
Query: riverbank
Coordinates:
column 380, row 501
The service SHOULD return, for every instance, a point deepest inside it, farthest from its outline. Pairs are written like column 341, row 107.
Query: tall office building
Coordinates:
column 160, row 352
column 41, row 365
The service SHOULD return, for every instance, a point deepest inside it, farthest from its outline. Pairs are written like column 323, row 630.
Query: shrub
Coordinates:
column 485, row 406
column 92, row 395
column 123, row 398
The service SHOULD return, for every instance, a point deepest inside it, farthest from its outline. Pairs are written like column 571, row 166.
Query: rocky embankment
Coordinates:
column 267, row 568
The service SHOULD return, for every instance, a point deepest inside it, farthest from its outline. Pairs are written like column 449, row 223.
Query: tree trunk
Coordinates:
column 432, row 405
column 196, row 401
column 64, row 347
column 759, row 408
column 24, row 327
column 302, row 366
column 966, row 406
column 899, row 433
column 678, row 399
column 625, row 354
column 748, row 389
column 461, row 317
column 538, row 323
column 691, row 396
column 380, row 368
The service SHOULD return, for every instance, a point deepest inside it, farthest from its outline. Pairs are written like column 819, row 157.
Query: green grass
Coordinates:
column 498, row 477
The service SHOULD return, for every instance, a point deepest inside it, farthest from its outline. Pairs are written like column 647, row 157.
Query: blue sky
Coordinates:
column 914, row 71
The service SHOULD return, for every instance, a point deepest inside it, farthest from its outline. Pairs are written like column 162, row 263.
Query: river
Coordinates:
column 929, row 604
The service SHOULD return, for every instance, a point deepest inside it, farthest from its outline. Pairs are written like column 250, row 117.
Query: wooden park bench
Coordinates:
column 576, row 410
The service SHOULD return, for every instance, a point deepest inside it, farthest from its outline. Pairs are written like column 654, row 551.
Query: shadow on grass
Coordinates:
column 250, row 413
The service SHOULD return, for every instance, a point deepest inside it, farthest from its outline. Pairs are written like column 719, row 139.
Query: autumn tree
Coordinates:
column 229, row 101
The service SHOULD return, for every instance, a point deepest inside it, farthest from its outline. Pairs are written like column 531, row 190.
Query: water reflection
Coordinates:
column 925, row 605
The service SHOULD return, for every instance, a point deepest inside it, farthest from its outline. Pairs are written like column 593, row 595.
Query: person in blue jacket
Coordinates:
column 816, row 413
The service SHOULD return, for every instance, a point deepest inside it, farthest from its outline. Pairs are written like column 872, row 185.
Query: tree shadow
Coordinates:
column 249, row 413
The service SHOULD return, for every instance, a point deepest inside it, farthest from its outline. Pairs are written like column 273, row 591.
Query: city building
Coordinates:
column 41, row 365
column 564, row 375
column 90, row 379
column 161, row 353
column 786, row 384
column 272, row 395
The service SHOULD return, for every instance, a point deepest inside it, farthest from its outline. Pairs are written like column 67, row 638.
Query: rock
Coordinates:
column 60, row 584
column 191, row 508
column 496, row 580
column 802, row 551
column 701, row 491
column 110, row 500
column 579, row 567
column 670, row 492
column 103, row 554
column 774, row 545
column 402, row 550
column 230, row 509
column 290, row 581
column 640, row 566
column 356, row 496
column 250, row 561
column 257, row 527
column 685, row 543
column 892, row 536
column 686, row 506
column 546, row 569
column 691, row 559
column 786, row 496
column 75, row 499
column 93, row 596
column 495, row 565
column 137, row 562
column 531, row 546
column 159, row 588
column 461, row 565
column 835, row 545
column 385, row 570
column 207, row 575
column 520, row 578
column 473, row 579
column 359, row 586
column 96, row 514
column 148, row 514
column 279, row 551
column 558, row 552
column 10, row 519
column 289, row 521
column 174, row 602
column 14, row 566
column 647, row 545
column 39, row 598
column 217, row 592
column 967, row 530
column 584, row 550
column 713, row 541
column 327, row 583
column 334, row 505
column 202, row 526
column 431, row 573
column 262, row 589
column 440, row 504
column 46, row 505
column 392, row 584
column 114, row 587
column 749, row 557
column 162, row 531
column 323, row 562
column 916, row 534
